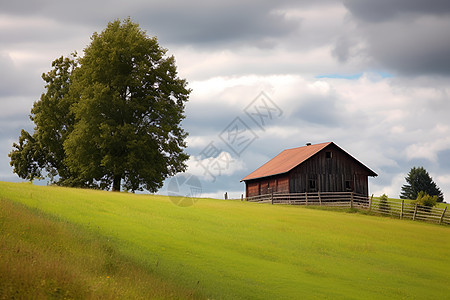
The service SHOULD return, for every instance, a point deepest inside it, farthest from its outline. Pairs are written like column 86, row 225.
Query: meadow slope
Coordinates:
column 238, row 250
column 42, row 257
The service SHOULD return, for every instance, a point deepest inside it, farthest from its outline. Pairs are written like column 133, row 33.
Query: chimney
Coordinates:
column 308, row 144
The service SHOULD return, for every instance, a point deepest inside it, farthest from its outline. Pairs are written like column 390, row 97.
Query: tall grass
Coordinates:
column 41, row 257
column 237, row 250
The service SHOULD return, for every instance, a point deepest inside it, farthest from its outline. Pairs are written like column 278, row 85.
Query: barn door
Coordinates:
column 349, row 184
column 312, row 183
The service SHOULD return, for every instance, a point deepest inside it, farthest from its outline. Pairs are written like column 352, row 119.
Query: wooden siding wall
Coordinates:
column 339, row 173
column 273, row 184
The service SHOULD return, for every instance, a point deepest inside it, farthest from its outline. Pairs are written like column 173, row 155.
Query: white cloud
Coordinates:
column 211, row 168
column 435, row 143
column 392, row 189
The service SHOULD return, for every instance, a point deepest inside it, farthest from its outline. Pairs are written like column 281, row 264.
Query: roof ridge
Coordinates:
column 308, row 146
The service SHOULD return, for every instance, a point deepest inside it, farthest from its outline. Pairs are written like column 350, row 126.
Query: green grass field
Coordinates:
column 42, row 257
column 237, row 250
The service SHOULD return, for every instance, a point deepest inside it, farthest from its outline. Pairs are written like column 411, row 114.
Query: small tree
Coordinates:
column 418, row 180
column 384, row 205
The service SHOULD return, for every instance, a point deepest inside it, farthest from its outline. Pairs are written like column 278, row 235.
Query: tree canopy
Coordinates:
column 418, row 180
column 111, row 118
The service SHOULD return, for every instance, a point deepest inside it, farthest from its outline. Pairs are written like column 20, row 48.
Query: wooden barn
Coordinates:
column 319, row 168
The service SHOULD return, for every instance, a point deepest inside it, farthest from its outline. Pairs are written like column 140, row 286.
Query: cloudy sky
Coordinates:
column 371, row 76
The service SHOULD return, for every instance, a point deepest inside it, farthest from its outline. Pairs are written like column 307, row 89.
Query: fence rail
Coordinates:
column 401, row 210
column 411, row 211
column 342, row 199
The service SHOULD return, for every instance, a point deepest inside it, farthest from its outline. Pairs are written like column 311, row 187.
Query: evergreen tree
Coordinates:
column 419, row 180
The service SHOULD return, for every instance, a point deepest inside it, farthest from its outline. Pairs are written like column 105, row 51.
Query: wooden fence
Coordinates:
column 411, row 211
column 341, row 199
column 398, row 209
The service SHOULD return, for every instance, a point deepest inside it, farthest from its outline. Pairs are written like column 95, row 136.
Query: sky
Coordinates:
column 371, row 76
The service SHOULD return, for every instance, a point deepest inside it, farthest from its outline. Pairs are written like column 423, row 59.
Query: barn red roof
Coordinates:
column 289, row 159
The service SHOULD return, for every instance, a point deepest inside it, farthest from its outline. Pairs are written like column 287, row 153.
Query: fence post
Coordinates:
column 271, row 197
column 320, row 199
column 415, row 212
column 306, row 197
column 370, row 202
column 401, row 211
column 351, row 200
column 442, row 216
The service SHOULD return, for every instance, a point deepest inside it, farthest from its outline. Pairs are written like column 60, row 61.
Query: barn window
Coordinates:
column 348, row 185
column 328, row 154
column 312, row 184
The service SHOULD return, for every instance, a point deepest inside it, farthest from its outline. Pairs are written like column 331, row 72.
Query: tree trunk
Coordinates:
column 116, row 183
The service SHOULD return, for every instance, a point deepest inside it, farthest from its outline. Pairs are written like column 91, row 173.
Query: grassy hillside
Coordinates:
column 41, row 257
column 231, row 249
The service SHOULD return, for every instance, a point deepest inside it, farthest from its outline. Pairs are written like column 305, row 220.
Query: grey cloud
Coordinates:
column 28, row 8
column 382, row 10
column 7, row 76
column 342, row 49
column 412, row 48
column 444, row 160
column 406, row 37
column 10, row 127
column 15, row 81
column 32, row 33
column 323, row 111
column 211, row 23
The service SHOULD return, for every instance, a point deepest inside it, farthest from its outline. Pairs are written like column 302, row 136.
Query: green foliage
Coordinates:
column 419, row 180
column 384, row 205
column 26, row 157
column 43, row 150
column 426, row 200
column 111, row 117
column 241, row 250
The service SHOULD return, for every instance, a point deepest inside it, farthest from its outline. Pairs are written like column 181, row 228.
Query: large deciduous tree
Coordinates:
column 123, row 124
column 418, row 180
